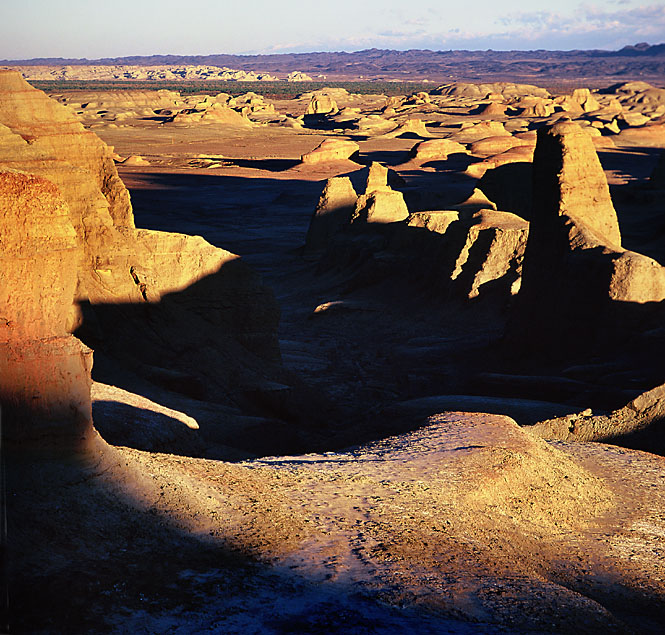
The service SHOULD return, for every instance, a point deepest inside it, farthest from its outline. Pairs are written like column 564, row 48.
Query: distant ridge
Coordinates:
column 642, row 49
column 639, row 60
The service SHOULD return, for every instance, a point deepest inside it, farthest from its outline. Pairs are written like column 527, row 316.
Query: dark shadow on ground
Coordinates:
column 271, row 165
column 95, row 553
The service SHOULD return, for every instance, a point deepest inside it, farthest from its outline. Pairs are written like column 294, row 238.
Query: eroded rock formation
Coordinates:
column 577, row 279
column 189, row 315
column 45, row 371
column 331, row 150
column 334, row 211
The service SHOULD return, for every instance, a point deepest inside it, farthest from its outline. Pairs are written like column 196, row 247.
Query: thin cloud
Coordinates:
column 592, row 26
column 591, row 18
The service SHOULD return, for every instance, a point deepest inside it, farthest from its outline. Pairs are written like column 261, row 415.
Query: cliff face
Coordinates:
column 45, row 371
column 74, row 261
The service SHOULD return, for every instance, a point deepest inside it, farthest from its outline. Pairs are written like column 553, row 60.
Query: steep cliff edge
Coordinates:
column 45, row 371
column 170, row 308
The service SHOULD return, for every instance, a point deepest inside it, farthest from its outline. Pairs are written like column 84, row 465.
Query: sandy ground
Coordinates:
column 466, row 525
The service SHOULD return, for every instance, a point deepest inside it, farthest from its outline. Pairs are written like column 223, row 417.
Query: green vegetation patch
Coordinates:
column 271, row 90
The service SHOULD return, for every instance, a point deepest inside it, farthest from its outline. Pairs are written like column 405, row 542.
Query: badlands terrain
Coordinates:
column 338, row 364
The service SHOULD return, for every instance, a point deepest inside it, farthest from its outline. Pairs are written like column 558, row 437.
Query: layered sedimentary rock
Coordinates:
column 380, row 206
column 170, row 306
column 380, row 203
column 577, row 280
column 486, row 246
column 322, row 105
column 44, row 371
column 411, row 127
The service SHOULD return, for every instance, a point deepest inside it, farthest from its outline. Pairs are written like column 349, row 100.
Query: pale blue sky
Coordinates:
column 111, row 28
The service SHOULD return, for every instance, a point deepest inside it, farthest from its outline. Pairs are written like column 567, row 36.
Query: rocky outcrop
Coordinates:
column 213, row 114
column 516, row 154
column 334, row 211
column 380, row 203
column 321, row 104
column 380, row 206
column 640, row 424
column 177, row 72
column 409, row 128
column 478, row 131
column 330, row 150
column 470, row 250
column 481, row 247
column 191, row 316
column 435, row 150
column 490, row 146
column 576, row 275
column 480, row 91
column 44, row 371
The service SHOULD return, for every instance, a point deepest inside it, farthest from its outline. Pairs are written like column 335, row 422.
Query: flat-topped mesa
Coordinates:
column 577, row 281
column 44, row 371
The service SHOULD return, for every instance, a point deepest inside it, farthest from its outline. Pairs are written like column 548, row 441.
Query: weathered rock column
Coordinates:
column 44, row 371
column 580, row 288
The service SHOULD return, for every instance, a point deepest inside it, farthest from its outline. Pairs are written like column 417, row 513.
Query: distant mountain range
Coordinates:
column 640, row 60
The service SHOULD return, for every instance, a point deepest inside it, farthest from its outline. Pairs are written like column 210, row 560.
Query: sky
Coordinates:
column 114, row 28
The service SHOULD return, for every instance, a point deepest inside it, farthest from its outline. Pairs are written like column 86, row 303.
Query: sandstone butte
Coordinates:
column 578, row 283
column 143, row 296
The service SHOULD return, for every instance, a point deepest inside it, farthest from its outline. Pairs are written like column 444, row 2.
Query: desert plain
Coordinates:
column 342, row 363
